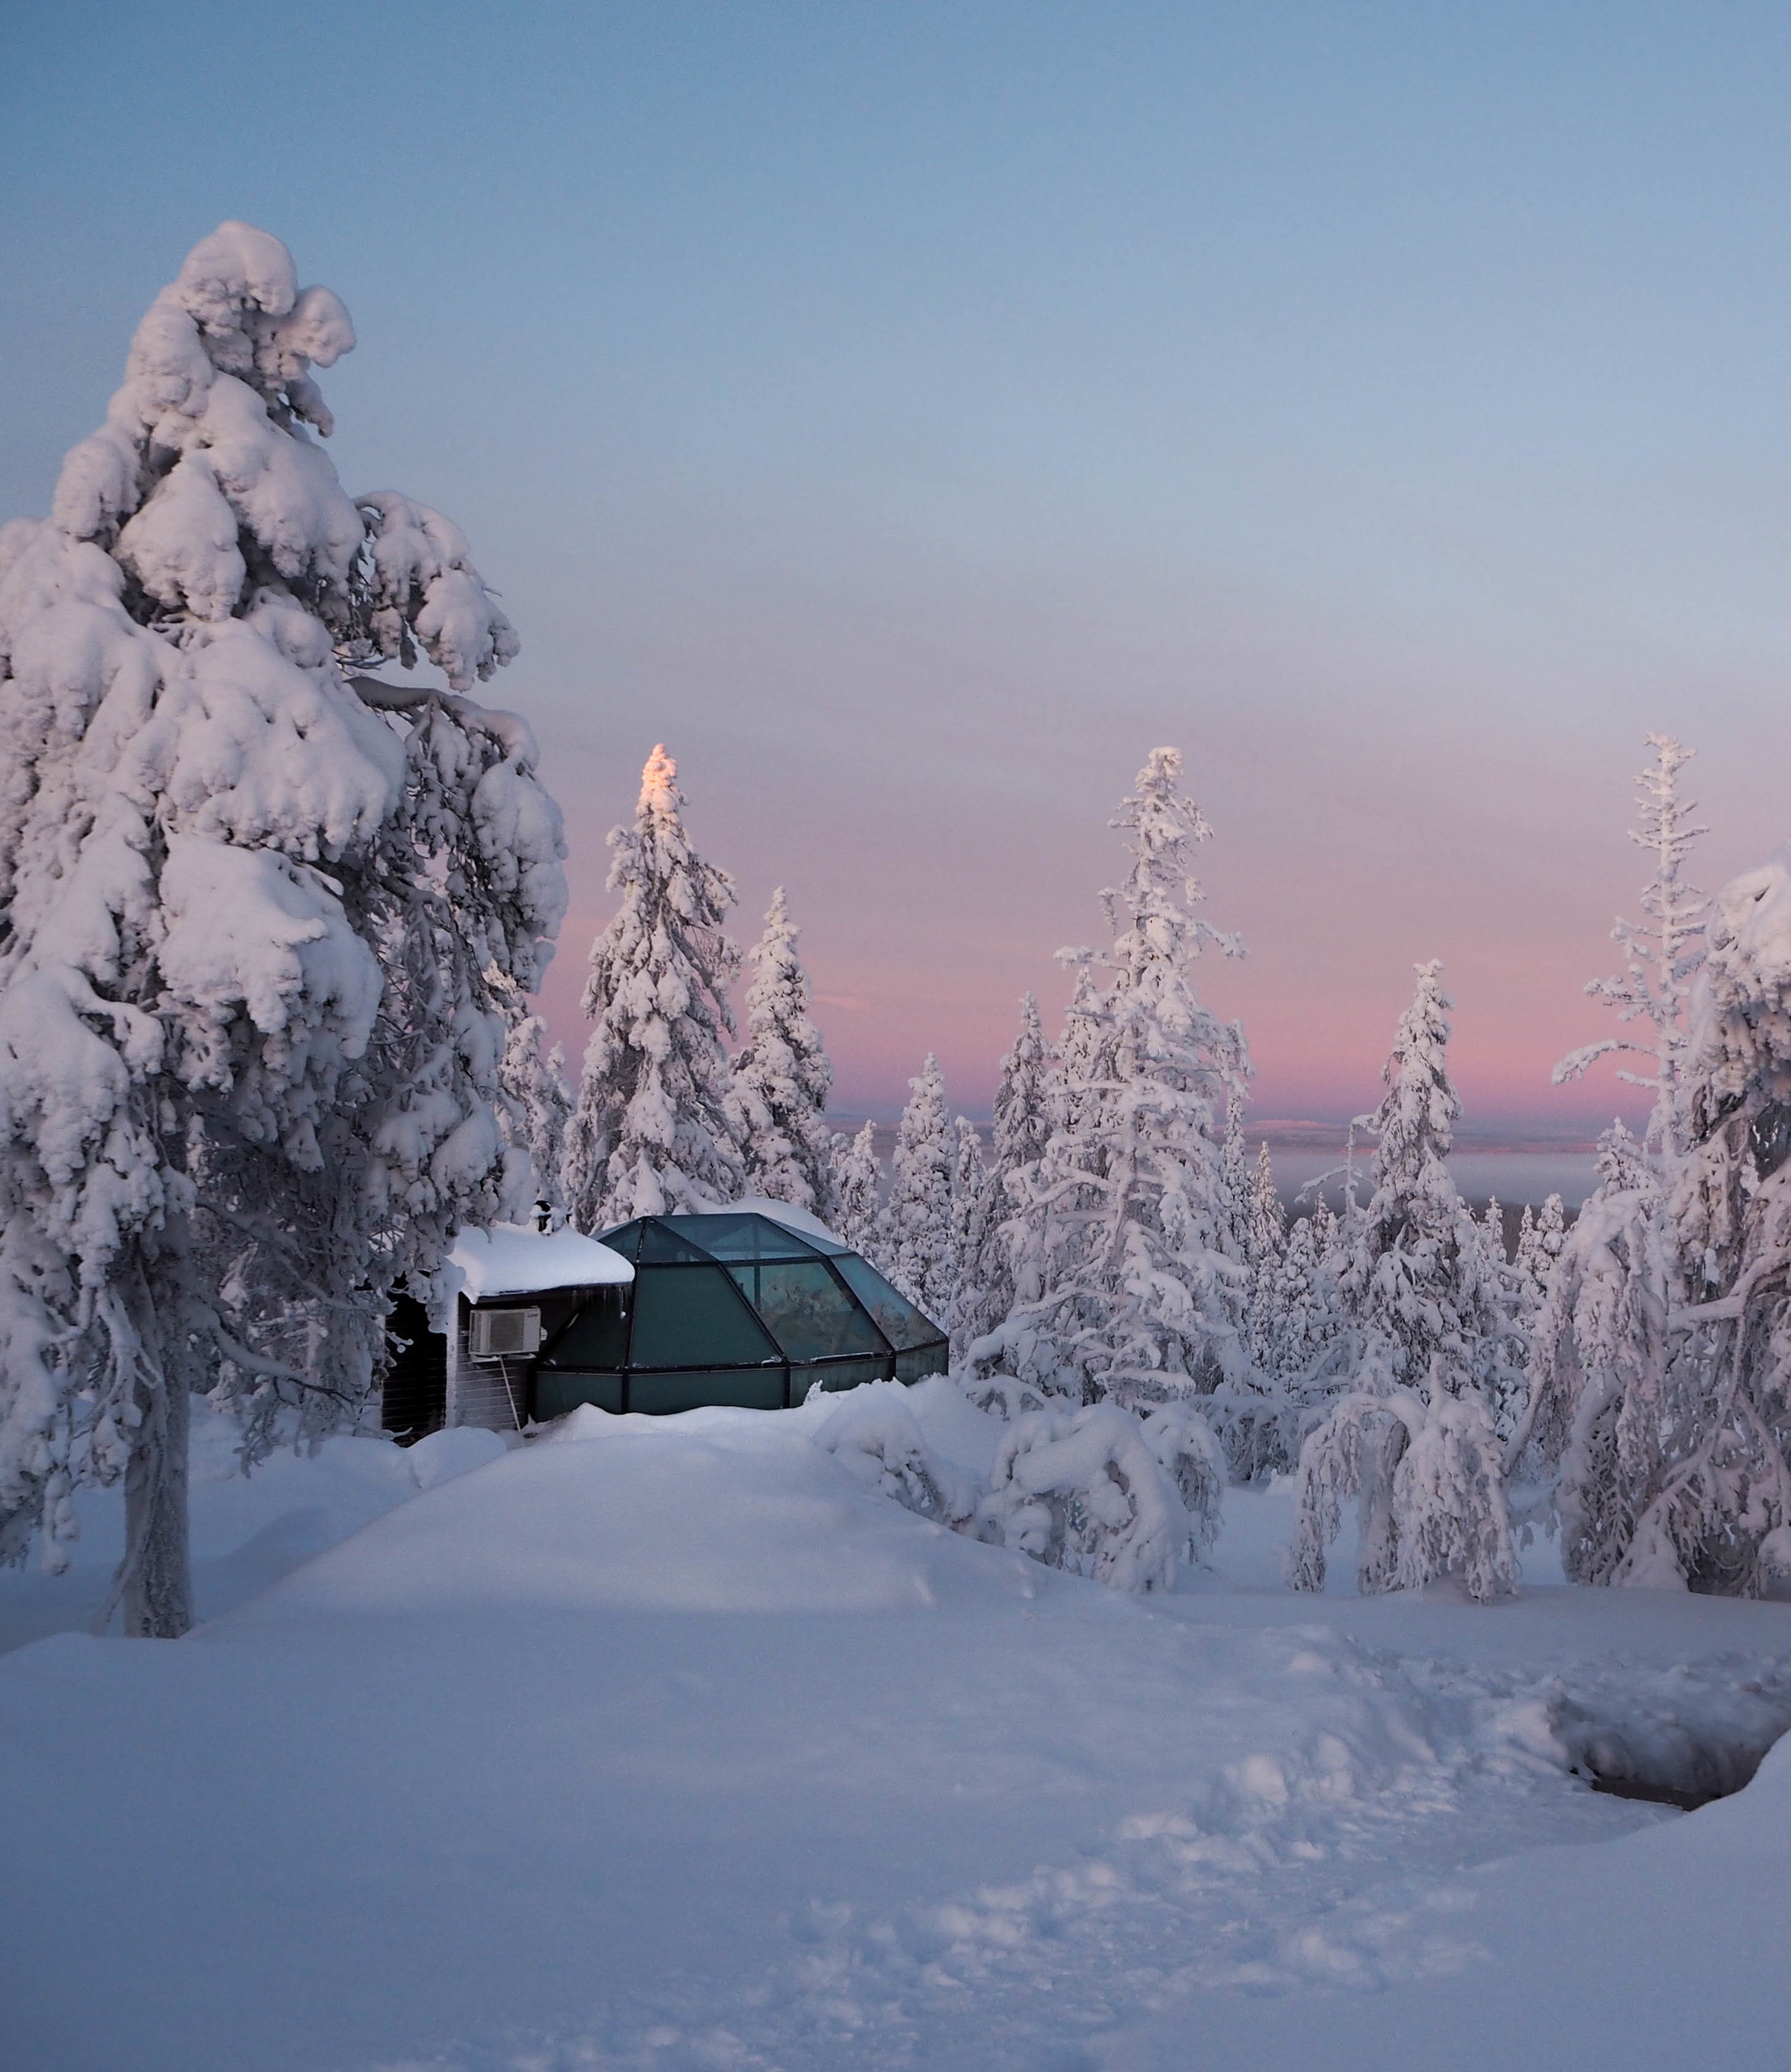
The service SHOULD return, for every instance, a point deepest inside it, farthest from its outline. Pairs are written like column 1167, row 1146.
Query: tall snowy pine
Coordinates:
column 986, row 1292
column 916, row 1245
column 782, row 1077
column 1122, row 1220
column 655, row 1130
column 1701, row 1494
column 1434, row 1338
column 248, row 1054
column 1603, row 1347
column 1664, row 950
column 856, row 1180
column 974, row 1189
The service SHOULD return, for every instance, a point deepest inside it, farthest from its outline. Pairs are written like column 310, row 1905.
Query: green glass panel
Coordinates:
column 557, row 1393
column 741, row 1388
column 741, row 1237
column 664, row 1246
column 693, row 1316
column 805, row 1309
column 836, row 1375
column 597, row 1337
column 915, row 1366
column 625, row 1238
column 897, row 1318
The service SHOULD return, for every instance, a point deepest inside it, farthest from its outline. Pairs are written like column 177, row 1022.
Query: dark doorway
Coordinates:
column 416, row 1381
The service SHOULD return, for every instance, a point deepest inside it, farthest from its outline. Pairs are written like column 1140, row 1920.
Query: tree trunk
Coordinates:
column 1378, row 1560
column 156, row 1576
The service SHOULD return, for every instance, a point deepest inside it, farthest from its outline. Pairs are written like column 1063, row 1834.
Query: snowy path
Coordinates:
column 672, row 1749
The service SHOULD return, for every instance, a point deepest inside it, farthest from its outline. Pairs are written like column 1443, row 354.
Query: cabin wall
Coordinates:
column 497, row 1394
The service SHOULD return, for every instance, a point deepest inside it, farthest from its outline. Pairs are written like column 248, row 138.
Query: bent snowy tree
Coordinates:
column 248, row 1051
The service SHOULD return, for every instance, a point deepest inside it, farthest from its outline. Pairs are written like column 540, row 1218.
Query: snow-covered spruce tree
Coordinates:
column 1702, row 1487
column 986, row 1292
column 1592, row 1432
column 655, row 1130
column 248, row 1053
column 1264, row 1242
column 1327, row 1235
column 1541, row 1235
column 915, row 1245
column 974, row 1218
column 1268, row 1219
column 1508, row 1376
column 857, row 1179
column 537, row 1101
column 1120, row 1222
column 1433, row 1335
column 1236, row 1185
column 1264, row 1420
column 1308, row 1321
column 1072, row 1086
column 782, row 1076
column 1023, row 1096
column 1662, row 952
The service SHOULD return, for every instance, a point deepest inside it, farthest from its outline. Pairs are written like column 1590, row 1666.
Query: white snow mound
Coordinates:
column 716, row 1510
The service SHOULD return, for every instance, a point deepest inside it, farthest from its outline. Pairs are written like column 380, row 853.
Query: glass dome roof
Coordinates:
column 732, row 1308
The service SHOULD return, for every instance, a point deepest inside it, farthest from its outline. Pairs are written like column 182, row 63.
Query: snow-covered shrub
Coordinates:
column 1001, row 1395
column 1084, row 1489
column 249, row 1054
column 655, row 1128
column 1191, row 1456
column 874, row 1436
column 1099, row 1491
column 1429, row 1469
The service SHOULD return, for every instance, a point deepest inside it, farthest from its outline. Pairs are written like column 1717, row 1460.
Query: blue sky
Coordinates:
column 912, row 413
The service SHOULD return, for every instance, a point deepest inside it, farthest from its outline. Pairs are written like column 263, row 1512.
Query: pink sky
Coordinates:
column 931, row 775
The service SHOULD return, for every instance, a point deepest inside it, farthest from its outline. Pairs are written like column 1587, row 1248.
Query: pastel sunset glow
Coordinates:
column 911, row 416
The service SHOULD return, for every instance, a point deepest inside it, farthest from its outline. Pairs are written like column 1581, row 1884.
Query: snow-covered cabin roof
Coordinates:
column 511, row 1259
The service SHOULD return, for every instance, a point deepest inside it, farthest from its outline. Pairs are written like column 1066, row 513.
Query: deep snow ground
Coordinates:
column 670, row 1747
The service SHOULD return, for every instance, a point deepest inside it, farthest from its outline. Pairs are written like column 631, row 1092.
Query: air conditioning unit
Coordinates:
column 504, row 1334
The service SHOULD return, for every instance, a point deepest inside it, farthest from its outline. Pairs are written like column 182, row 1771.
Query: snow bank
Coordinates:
column 247, row 1531
column 717, row 1511
column 666, row 1746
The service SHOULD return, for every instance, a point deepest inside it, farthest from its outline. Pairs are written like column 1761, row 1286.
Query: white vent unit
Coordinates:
column 504, row 1333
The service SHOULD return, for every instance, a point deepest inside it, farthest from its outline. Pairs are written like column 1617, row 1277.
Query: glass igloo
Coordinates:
column 732, row 1308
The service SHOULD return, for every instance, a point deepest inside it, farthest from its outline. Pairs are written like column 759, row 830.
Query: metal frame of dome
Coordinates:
column 734, row 1307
